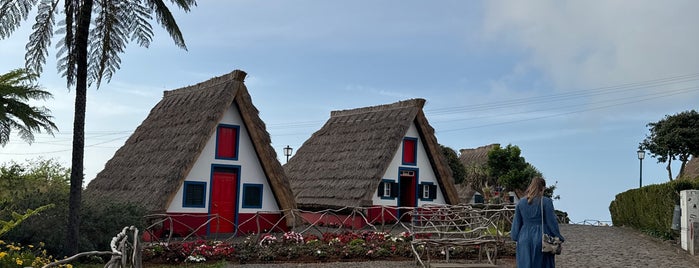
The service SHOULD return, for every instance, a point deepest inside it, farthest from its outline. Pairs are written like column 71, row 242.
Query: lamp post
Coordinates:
column 287, row 152
column 641, row 155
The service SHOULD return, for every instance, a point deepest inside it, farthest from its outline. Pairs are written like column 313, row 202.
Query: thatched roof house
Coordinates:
column 475, row 161
column 169, row 163
column 372, row 156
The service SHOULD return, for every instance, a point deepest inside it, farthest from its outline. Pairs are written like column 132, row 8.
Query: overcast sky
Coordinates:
column 572, row 83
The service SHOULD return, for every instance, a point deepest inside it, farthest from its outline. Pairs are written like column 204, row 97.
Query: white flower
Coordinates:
column 193, row 258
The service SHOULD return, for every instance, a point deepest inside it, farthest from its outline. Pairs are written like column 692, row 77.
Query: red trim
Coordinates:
column 374, row 215
column 184, row 224
column 247, row 223
column 346, row 221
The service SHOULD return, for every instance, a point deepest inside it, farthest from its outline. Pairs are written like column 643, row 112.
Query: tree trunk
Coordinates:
column 669, row 169
column 76, row 173
column 684, row 163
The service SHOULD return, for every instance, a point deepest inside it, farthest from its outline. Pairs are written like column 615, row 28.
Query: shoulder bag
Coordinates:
column 549, row 244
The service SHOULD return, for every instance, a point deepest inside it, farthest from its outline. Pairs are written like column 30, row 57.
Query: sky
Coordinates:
column 573, row 84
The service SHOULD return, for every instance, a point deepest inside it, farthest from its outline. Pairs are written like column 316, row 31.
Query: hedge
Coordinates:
column 650, row 208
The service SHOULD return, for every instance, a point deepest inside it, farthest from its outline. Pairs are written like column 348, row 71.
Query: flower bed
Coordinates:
column 294, row 247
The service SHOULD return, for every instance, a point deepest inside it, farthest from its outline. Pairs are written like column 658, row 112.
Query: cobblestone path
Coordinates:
column 585, row 246
column 596, row 246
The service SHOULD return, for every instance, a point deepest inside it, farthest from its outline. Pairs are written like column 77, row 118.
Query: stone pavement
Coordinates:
column 585, row 246
column 597, row 246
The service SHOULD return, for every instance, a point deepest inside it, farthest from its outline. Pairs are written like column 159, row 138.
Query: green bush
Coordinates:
column 649, row 208
column 31, row 185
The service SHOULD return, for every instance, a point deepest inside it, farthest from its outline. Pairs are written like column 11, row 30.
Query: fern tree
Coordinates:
column 17, row 87
column 91, row 34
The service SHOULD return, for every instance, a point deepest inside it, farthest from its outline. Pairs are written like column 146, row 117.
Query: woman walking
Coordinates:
column 527, row 226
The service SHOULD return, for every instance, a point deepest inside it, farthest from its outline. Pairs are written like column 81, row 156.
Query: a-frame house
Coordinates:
column 202, row 151
column 384, row 155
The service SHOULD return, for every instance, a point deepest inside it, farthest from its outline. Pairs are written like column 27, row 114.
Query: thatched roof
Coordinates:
column 154, row 161
column 477, row 156
column 342, row 164
column 692, row 168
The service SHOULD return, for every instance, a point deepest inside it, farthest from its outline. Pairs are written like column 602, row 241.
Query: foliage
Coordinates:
column 511, row 169
column 649, row 208
column 6, row 226
column 673, row 137
column 41, row 182
column 458, row 170
column 15, row 255
column 17, row 88
column 86, row 55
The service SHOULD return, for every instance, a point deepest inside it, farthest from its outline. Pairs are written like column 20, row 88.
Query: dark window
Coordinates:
column 252, row 195
column 409, row 151
column 194, row 194
column 478, row 199
column 227, row 142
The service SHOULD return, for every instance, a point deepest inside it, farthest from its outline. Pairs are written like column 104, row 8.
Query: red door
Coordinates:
column 407, row 197
column 223, row 200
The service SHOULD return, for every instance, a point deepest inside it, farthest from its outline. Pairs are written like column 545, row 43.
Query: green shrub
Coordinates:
column 42, row 182
column 649, row 208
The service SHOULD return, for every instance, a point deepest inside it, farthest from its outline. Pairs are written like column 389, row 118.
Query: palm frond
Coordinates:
column 140, row 29
column 107, row 40
column 12, row 13
column 17, row 87
column 167, row 21
column 40, row 39
column 185, row 4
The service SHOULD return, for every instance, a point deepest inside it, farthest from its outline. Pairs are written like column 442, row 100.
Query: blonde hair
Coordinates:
column 536, row 189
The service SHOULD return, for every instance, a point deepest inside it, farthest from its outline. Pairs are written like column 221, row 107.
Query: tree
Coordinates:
column 17, row 87
column 673, row 137
column 87, row 55
column 511, row 170
column 457, row 168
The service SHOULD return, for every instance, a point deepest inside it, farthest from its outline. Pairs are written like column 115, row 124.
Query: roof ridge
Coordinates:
column 417, row 102
column 235, row 76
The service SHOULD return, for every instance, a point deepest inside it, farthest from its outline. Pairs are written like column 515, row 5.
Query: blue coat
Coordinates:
column 526, row 231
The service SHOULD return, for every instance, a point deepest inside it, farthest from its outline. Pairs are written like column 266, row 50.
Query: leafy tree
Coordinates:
column 511, row 170
column 673, row 137
column 457, row 168
column 87, row 55
column 17, row 87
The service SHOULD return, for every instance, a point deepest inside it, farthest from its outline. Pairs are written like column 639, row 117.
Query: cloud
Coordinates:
column 591, row 43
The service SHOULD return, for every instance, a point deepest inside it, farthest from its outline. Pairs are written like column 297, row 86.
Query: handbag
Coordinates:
column 549, row 244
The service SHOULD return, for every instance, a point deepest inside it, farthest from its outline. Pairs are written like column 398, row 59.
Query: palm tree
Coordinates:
column 87, row 55
column 16, row 88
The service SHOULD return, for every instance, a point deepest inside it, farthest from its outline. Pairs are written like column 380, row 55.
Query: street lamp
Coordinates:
column 287, row 152
column 641, row 155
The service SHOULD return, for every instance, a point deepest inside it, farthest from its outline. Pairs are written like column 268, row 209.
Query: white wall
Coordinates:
column 250, row 170
column 425, row 173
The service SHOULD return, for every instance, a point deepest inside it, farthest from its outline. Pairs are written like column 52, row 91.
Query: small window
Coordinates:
column 388, row 189
column 428, row 191
column 227, row 142
column 194, row 194
column 425, row 192
column 252, row 195
column 410, row 151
